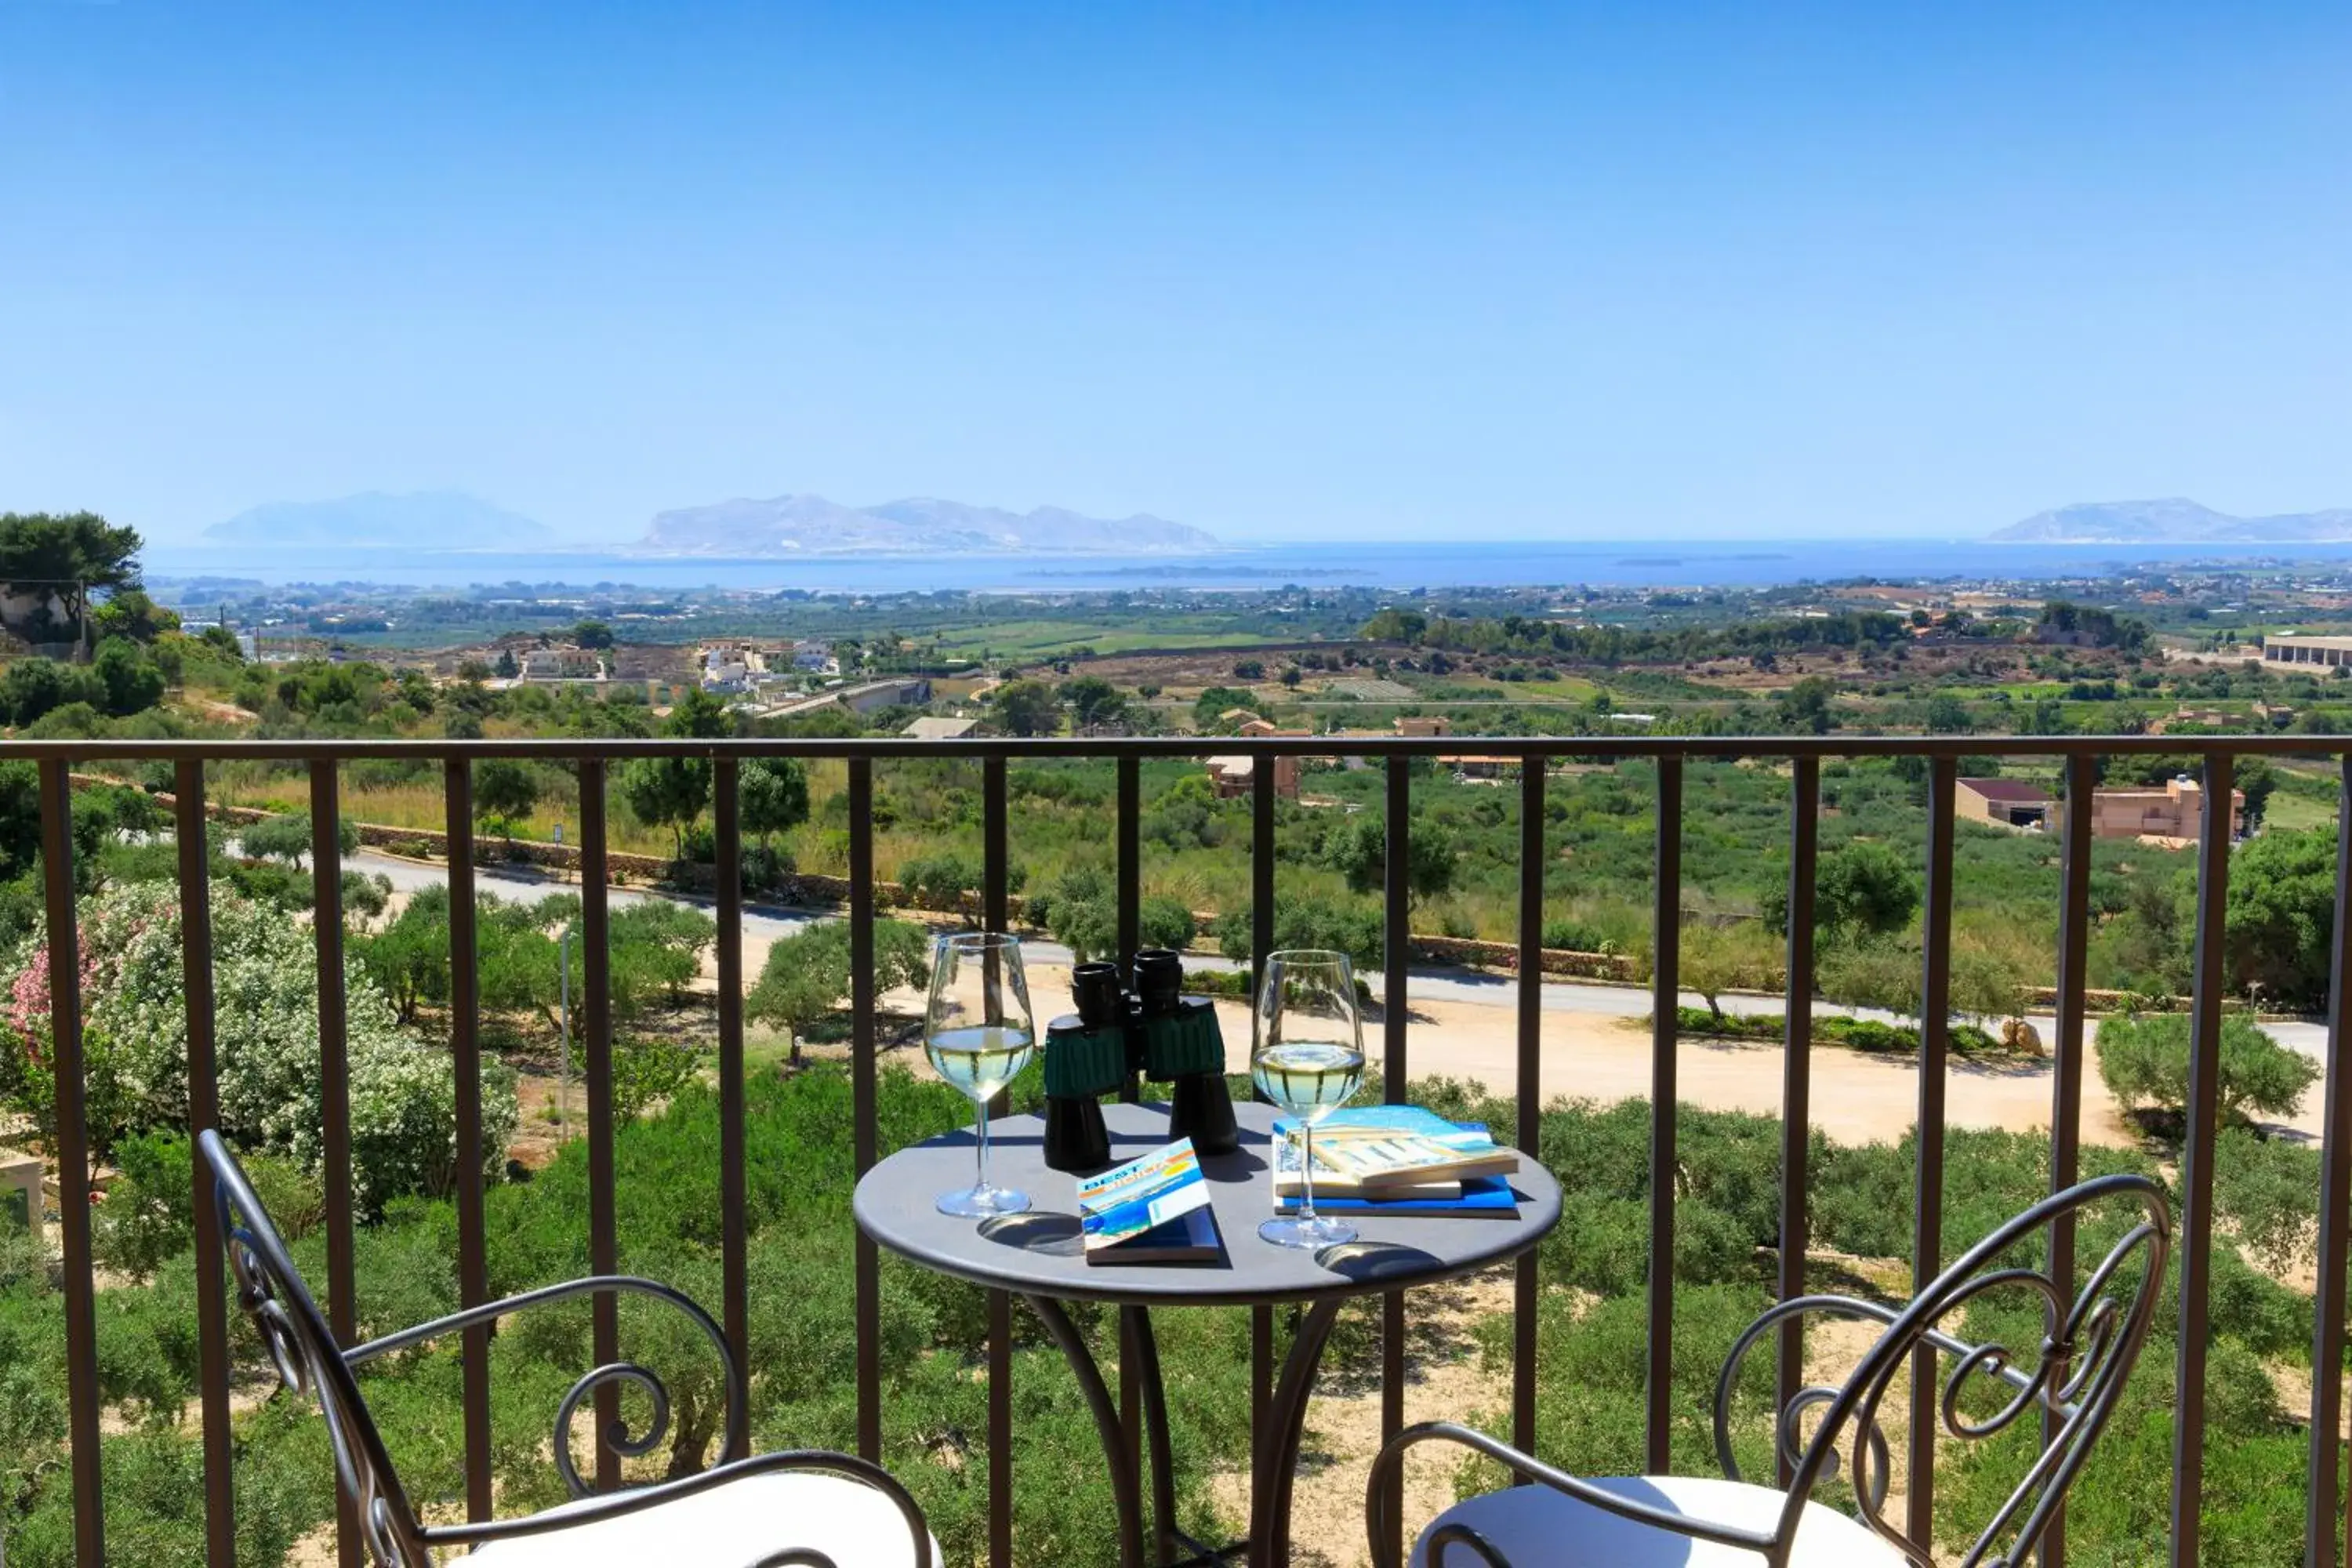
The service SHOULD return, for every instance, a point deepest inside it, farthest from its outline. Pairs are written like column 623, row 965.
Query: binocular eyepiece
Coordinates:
column 1159, row 981
column 1101, row 1000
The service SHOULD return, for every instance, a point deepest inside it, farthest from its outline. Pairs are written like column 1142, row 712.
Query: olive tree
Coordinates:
column 2144, row 1060
column 806, row 977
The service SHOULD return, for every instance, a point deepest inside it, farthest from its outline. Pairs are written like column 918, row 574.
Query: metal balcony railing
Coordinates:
column 594, row 759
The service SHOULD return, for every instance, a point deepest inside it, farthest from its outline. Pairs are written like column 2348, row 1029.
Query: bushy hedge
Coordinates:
column 266, row 1014
column 1837, row 1028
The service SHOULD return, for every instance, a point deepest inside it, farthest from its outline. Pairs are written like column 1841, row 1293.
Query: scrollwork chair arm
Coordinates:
column 1384, row 1469
column 618, row 1505
column 738, row 1386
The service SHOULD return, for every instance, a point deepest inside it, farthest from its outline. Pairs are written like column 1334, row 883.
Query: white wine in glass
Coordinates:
column 980, row 1033
column 1308, row 1059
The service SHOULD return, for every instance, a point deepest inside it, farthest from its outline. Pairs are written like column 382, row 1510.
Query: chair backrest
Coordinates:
column 309, row 1360
column 2076, row 1373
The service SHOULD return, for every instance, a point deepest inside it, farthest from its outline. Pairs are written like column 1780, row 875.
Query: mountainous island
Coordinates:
column 811, row 525
column 426, row 520
column 2173, row 522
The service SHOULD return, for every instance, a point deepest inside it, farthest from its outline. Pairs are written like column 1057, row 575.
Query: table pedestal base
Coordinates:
column 1278, row 1432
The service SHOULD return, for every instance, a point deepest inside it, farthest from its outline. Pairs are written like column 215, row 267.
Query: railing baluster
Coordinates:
column 2197, row 1158
column 1526, row 1279
column 2075, row 918
column 596, row 1041
column 1127, row 832
column 465, row 1055
column 73, row 1160
column 2322, row 1522
column 1129, row 835
column 1927, row 1212
column 1396, row 931
column 203, row 1115
column 996, row 876
column 735, row 1288
column 862, row 1098
column 1261, row 945
column 1797, row 1080
column 1665, row 1004
column 334, row 1089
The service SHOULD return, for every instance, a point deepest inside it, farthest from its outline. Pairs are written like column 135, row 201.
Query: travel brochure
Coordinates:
column 1154, row 1209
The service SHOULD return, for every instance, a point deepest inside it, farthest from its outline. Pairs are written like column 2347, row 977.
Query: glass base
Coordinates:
column 981, row 1202
column 1318, row 1232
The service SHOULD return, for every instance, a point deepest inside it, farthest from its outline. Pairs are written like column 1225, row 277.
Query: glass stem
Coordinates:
column 983, row 1185
column 1307, row 1173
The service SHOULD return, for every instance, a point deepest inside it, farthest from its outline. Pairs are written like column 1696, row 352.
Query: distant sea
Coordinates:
column 1645, row 563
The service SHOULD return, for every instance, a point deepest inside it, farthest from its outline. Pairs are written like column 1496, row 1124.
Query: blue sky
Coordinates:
column 1284, row 271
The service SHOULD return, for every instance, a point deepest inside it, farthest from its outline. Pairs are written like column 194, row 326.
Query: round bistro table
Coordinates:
column 1037, row 1256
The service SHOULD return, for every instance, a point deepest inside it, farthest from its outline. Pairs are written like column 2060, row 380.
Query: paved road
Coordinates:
column 768, row 922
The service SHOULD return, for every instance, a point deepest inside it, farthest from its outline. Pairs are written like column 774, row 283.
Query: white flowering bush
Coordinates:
column 266, row 1007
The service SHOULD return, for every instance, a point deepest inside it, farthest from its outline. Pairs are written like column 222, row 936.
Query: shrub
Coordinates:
column 1166, row 922
column 146, row 1219
column 1574, row 936
column 266, row 1000
column 2269, row 1191
column 1079, row 912
column 646, row 1072
column 767, row 869
column 2146, row 1060
column 939, row 881
column 1307, row 923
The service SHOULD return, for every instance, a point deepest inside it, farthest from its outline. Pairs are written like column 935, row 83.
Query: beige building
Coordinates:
column 1434, row 724
column 2175, row 811
column 2292, row 649
column 2005, row 802
column 1236, row 776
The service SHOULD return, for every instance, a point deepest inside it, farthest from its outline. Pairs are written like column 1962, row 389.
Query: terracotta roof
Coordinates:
column 2016, row 790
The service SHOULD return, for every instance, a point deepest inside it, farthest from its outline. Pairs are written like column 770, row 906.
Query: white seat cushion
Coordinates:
column 1535, row 1527
column 733, row 1525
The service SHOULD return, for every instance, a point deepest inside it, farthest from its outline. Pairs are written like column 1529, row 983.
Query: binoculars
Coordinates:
column 1153, row 1031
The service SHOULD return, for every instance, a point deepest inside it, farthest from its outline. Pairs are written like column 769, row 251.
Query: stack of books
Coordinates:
column 1395, row 1158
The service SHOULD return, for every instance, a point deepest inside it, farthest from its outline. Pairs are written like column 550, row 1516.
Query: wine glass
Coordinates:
column 1309, row 1061
column 980, row 1033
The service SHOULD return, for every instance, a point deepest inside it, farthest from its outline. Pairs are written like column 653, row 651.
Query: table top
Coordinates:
column 1038, row 1253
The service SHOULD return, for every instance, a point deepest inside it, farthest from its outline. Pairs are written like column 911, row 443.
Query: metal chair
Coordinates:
column 807, row 1509
column 2076, row 1373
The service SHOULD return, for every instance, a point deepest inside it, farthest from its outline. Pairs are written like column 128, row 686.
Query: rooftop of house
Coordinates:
column 2016, row 791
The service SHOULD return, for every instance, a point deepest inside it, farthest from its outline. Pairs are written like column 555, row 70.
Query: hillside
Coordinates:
column 426, row 519
column 811, row 525
column 2175, row 521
